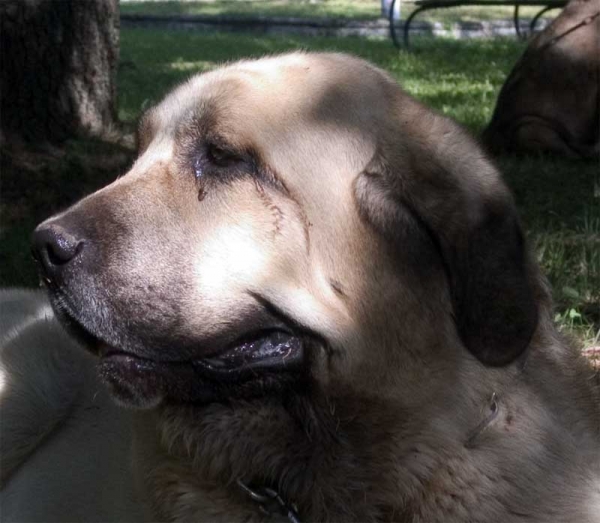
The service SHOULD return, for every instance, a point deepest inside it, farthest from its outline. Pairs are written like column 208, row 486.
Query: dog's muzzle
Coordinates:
column 148, row 366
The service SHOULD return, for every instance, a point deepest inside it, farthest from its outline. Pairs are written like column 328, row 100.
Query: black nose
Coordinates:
column 54, row 248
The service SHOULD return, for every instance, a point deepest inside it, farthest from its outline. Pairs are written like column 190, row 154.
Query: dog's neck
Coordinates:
column 345, row 459
column 318, row 457
column 333, row 460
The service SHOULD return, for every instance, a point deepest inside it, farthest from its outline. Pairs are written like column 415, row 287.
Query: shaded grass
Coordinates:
column 38, row 184
column 562, row 218
column 458, row 78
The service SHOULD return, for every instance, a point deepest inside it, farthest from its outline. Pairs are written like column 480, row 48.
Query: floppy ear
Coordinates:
column 440, row 174
column 495, row 308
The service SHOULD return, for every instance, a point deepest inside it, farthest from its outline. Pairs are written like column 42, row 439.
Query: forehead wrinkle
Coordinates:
column 206, row 123
column 231, row 92
column 198, row 122
column 205, row 104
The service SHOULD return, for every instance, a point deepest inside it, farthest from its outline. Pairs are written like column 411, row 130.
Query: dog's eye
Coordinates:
column 214, row 156
column 219, row 156
column 220, row 162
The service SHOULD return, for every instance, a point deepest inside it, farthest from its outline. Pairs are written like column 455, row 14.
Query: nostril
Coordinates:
column 63, row 249
column 54, row 247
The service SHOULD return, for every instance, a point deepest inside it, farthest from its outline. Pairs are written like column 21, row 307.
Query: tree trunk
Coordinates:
column 58, row 61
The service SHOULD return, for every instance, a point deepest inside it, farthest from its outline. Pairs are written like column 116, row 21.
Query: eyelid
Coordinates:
column 224, row 160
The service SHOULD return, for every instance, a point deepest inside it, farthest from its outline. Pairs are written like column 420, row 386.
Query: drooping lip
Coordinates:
column 255, row 362
column 262, row 360
column 263, row 351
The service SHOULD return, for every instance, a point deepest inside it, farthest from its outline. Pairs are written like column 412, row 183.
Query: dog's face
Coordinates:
column 291, row 221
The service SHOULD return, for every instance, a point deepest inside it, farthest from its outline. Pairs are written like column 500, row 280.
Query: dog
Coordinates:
column 549, row 102
column 312, row 299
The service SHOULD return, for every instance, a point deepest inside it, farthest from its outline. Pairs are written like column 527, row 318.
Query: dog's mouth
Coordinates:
column 253, row 365
column 256, row 364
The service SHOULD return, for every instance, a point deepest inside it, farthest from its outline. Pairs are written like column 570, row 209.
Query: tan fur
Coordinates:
column 437, row 387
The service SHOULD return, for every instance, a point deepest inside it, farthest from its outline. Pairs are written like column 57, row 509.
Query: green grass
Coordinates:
column 351, row 9
column 459, row 78
column 361, row 9
column 562, row 218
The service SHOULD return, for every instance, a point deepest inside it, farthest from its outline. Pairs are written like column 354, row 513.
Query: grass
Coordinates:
column 562, row 218
column 459, row 78
column 356, row 9
column 350, row 9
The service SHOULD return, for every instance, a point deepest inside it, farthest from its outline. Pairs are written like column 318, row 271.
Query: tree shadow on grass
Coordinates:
column 38, row 183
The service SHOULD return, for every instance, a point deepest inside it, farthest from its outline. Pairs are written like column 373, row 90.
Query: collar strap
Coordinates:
column 270, row 502
column 494, row 408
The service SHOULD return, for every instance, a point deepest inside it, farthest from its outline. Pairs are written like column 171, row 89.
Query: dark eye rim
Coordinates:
column 216, row 159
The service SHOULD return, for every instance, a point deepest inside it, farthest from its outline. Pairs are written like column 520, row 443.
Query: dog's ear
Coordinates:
column 441, row 176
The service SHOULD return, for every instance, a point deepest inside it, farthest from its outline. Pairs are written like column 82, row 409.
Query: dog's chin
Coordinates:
column 257, row 364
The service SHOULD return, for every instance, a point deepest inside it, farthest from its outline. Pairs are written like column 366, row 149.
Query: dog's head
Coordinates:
column 291, row 221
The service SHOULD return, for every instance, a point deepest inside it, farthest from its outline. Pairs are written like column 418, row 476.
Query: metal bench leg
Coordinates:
column 537, row 17
column 392, row 26
column 516, row 21
column 408, row 22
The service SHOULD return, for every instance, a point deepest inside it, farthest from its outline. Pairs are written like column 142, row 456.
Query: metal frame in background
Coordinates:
column 425, row 5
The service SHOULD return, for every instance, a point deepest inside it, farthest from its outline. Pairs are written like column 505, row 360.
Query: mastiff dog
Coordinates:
column 312, row 300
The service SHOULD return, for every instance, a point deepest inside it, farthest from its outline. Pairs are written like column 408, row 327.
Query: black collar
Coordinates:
column 270, row 502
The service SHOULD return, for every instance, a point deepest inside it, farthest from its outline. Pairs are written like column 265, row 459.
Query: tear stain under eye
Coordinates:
column 198, row 168
column 199, row 173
